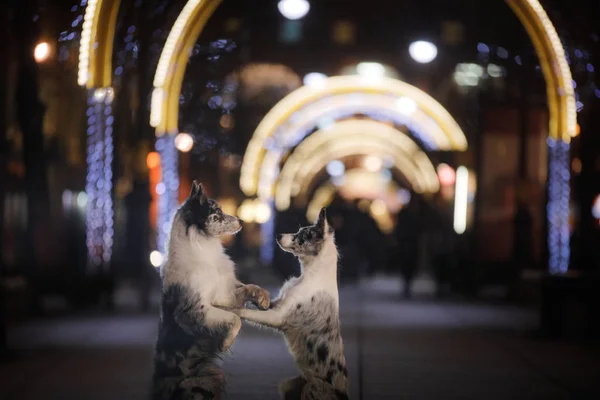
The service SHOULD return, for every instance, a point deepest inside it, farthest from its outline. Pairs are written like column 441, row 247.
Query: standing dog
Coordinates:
column 197, row 273
column 307, row 313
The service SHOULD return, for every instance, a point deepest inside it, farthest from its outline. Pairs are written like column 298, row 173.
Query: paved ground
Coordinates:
column 410, row 350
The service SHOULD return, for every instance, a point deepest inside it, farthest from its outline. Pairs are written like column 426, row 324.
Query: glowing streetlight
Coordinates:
column 422, row 51
column 293, row 9
column 315, row 80
column 184, row 142
column 41, row 52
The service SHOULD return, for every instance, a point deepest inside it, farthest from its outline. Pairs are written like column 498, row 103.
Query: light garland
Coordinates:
column 85, row 43
column 169, row 199
column 558, row 206
column 267, row 234
column 100, row 213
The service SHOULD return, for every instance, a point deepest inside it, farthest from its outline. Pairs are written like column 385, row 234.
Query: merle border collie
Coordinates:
column 306, row 311
column 193, row 334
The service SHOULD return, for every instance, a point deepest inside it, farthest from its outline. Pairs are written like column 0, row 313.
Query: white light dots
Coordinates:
column 184, row 142
column 315, row 80
column 406, row 105
column 423, row 51
column 85, row 42
column 156, row 258
column 293, row 9
column 262, row 212
column 370, row 70
column 372, row 163
column 336, row 168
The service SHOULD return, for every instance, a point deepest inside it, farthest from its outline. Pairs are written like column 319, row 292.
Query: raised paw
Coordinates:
column 259, row 296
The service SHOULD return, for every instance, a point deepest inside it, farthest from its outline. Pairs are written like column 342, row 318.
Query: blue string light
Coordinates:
column 168, row 200
column 558, row 206
column 98, row 188
column 267, row 233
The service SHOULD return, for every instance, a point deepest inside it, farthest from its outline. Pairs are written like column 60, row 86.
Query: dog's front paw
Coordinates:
column 259, row 296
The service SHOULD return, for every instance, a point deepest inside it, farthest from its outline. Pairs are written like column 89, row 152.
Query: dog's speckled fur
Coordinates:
column 196, row 275
column 307, row 313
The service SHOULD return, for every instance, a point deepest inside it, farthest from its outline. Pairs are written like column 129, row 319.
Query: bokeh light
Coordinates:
column 41, row 52
column 336, row 168
column 422, row 51
column 184, row 142
column 446, row 174
column 156, row 258
column 315, row 80
column 372, row 163
column 293, row 9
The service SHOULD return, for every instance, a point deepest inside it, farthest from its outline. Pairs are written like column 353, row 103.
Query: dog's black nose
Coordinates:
column 279, row 237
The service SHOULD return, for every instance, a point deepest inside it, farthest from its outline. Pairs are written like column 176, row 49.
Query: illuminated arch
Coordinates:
column 380, row 107
column 354, row 129
column 304, row 180
column 173, row 61
column 96, row 43
column 195, row 14
column 450, row 137
column 193, row 17
column 311, row 157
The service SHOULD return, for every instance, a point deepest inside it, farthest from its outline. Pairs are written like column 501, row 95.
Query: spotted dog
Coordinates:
column 307, row 313
column 197, row 273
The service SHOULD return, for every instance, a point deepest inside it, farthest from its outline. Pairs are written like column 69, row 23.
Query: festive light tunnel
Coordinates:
column 95, row 67
column 408, row 100
column 340, row 140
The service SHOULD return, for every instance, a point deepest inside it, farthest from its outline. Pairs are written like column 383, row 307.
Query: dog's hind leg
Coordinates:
column 291, row 389
column 203, row 387
column 319, row 390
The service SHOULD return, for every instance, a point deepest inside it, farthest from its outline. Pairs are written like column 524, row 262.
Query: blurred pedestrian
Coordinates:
column 408, row 234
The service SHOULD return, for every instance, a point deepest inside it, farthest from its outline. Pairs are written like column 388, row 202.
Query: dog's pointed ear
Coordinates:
column 322, row 221
column 198, row 192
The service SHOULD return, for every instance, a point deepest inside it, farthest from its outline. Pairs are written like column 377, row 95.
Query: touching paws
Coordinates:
column 259, row 296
